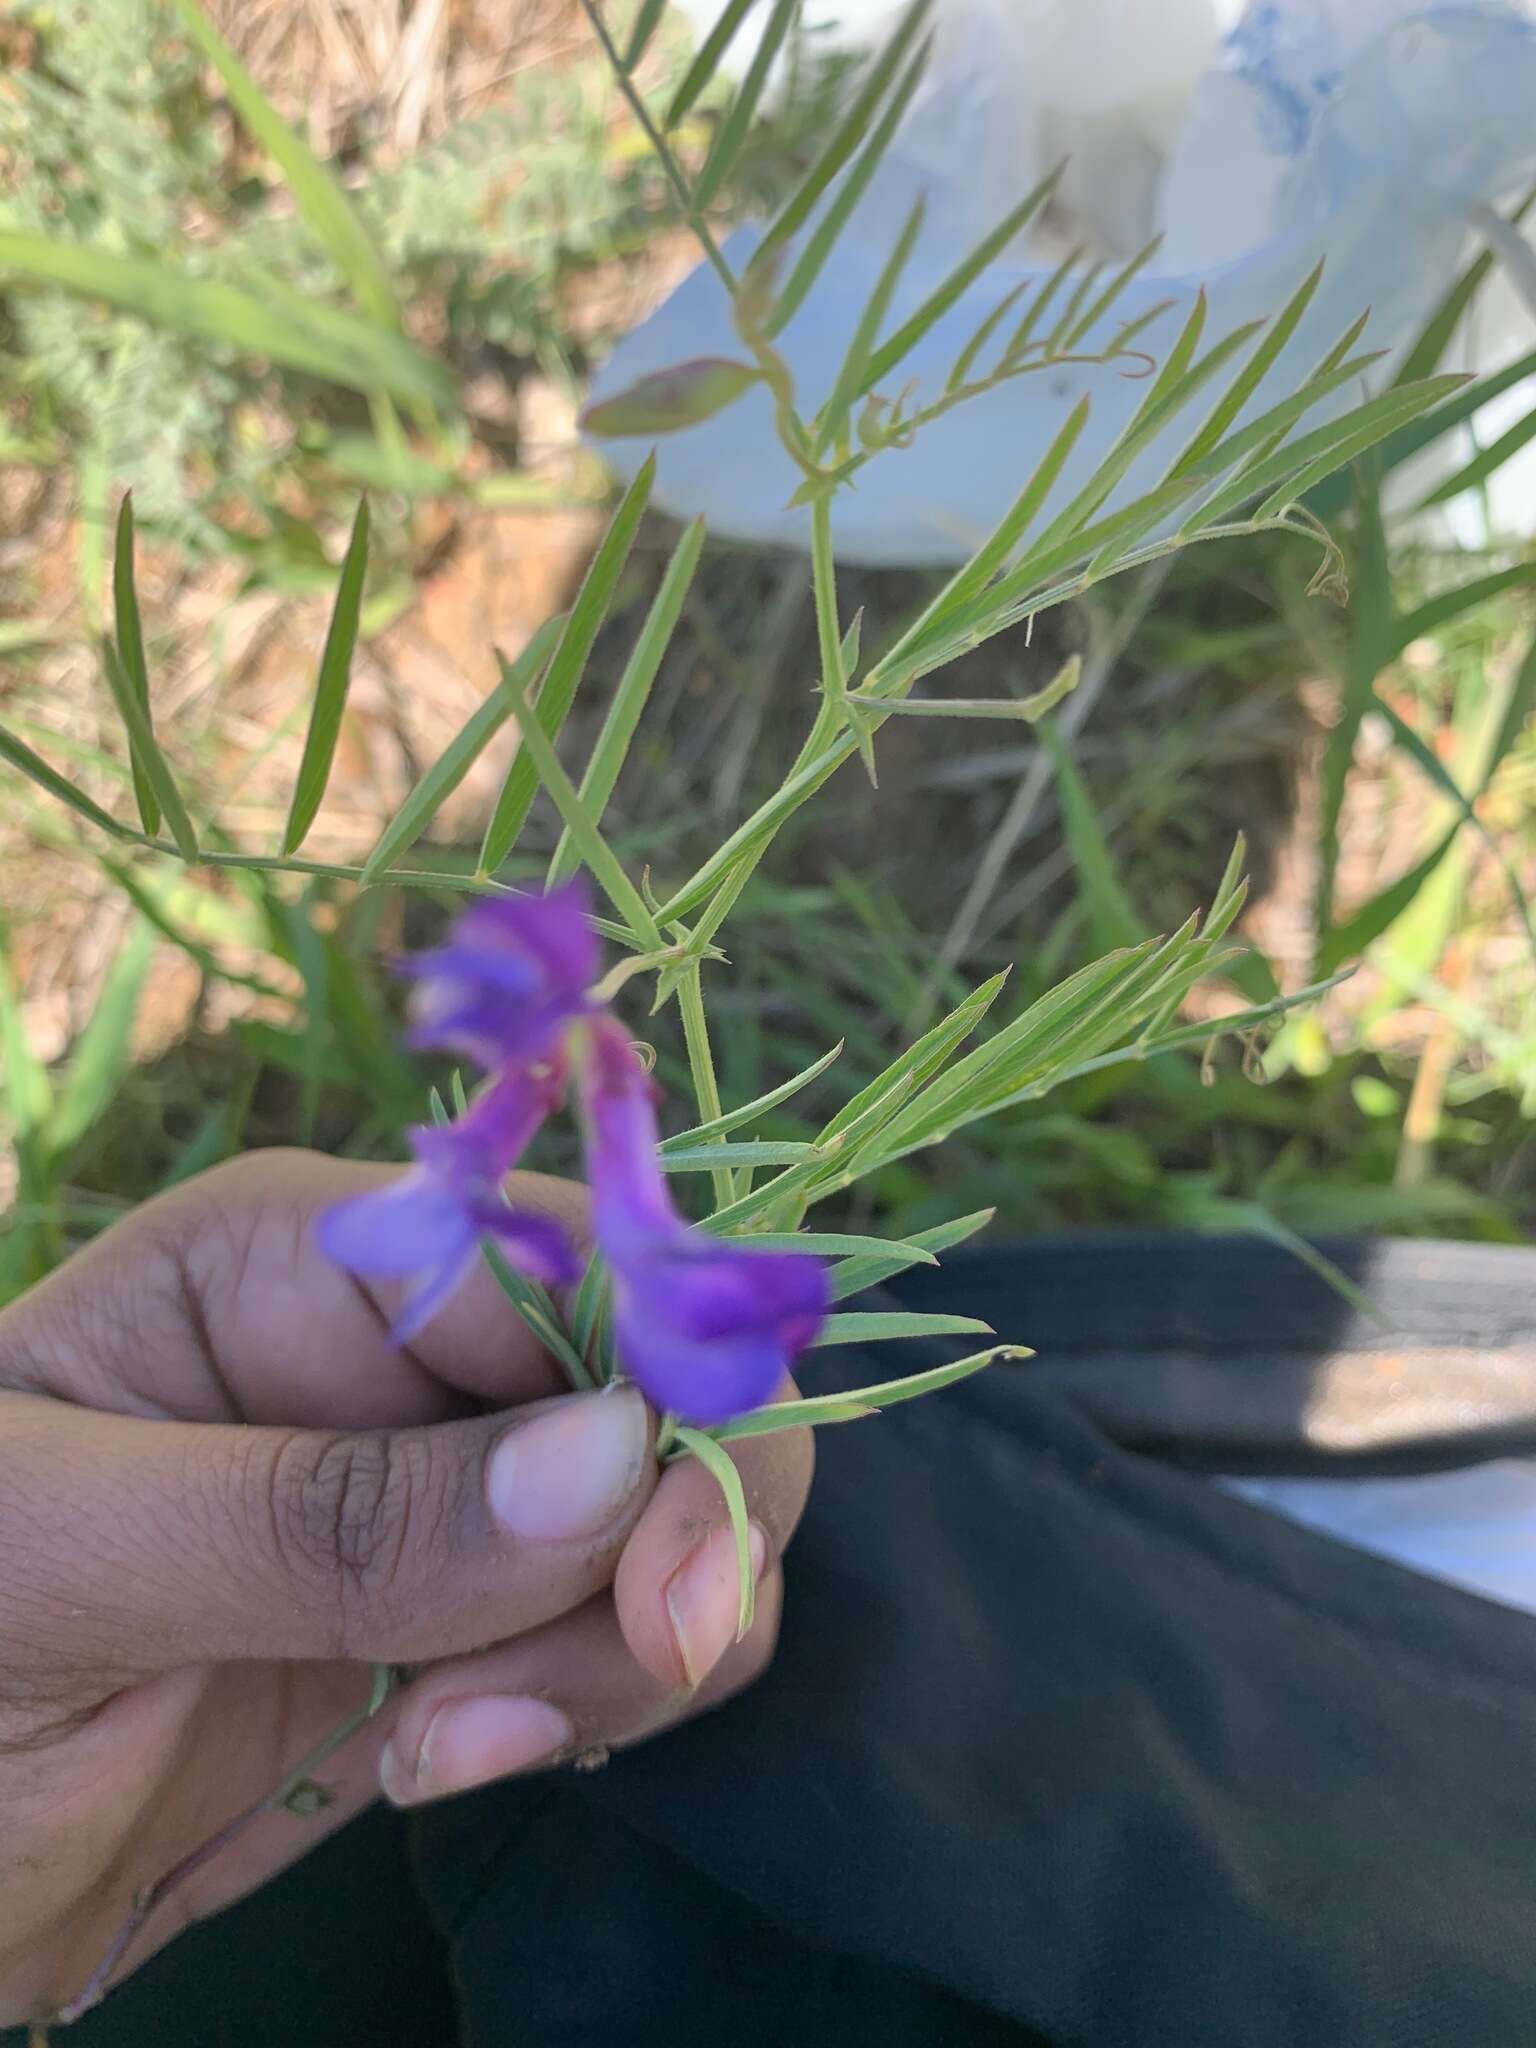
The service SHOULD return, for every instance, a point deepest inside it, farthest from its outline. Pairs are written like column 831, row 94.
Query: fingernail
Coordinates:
column 704, row 1598
column 470, row 1742
column 569, row 1471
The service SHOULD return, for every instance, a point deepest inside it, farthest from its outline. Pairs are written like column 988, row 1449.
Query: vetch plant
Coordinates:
column 707, row 1315
column 707, row 1330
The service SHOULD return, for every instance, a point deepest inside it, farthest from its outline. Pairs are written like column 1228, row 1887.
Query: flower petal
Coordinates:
column 536, row 1245
column 508, row 979
column 404, row 1226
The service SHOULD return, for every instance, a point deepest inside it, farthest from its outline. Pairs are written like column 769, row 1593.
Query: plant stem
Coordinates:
column 671, row 169
column 154, row 1896
column 701, row 1062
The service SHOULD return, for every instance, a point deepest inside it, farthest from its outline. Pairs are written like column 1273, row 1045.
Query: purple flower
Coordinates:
column 426, row 1227
column 708, row 1329
column 508, row 980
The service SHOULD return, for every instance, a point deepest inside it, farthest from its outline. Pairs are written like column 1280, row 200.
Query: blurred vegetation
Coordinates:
column 1379, row 756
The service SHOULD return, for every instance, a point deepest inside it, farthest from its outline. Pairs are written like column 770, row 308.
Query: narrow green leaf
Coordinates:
column 881, row 1327
column 586, row 1313
column 824, row 236
column 439, row 782
column 1023, row 336
column 630, row 698
column 331, row 689
column 1324, row 448
column 533, row 1305
column 719, row 1466
column 750, row 1112
column 750, row 1152
column 271, row 322
column 994, row 552
column 860, row 1402
column 1072, row 331
column 103, row 1053
column 606, row 868
column 834, row 1244
column 142, row 740
column 732, row 132
column 850, row 377
column 858, row 1274
column 922, row 1059
column 706, row 61
column 646, row 22
column 566, row 669
column 1259, row 364
column 846, row 138
column 318, row 196
column 37, row 770
column 956, row 284
column 968, row 357
column 1365, row 429
column 130, row 645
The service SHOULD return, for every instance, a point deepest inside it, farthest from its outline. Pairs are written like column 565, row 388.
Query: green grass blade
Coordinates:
column 1112, row 917
column 719, row 1466
column 848, row 135
column 895, row 351
column 630, row 698
column 733, row 130
column 1347, row 941
column 28, row 1092
column 706, row 61
column 1486, row 463
column 566, row 668
column 104, row 1051
column 130, row 646
column 272, row 322
column 1432, row 617
column 331, row 689
column 824, row 236
column 319, row 198
column 1428, row 350
column 142, row 743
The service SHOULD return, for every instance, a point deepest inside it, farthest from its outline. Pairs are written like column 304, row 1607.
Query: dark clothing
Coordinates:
column 1062, row 1745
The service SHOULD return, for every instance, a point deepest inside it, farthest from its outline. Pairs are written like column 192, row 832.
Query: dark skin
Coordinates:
column 225, row 1494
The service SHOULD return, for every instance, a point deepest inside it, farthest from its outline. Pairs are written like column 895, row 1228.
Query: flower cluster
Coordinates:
column 707, row 1329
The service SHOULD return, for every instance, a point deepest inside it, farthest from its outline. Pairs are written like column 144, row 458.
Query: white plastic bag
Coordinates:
column 1366, row 132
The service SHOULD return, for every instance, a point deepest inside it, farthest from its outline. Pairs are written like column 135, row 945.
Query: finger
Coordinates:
column 569, row 1692
column 136, row 1546
column 678, row 1585
column 213, row 1303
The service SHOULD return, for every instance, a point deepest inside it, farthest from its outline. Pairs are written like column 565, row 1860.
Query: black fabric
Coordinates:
column 1062, row 1745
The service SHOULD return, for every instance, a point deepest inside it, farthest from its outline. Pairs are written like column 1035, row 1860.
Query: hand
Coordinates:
column 224, row 1494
